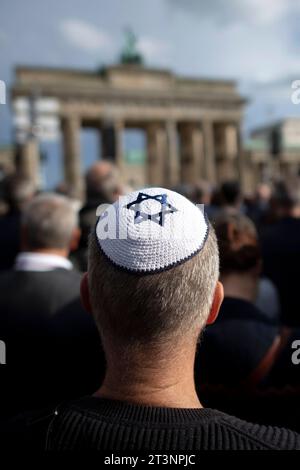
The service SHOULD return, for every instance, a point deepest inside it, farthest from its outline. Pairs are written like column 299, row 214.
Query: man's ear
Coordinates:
column 216, row 304
column 85, row 293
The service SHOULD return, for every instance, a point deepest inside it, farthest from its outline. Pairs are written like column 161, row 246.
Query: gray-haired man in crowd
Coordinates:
column 41, row 314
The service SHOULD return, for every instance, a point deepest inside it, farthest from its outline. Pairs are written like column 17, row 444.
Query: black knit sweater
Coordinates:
column 106, row 425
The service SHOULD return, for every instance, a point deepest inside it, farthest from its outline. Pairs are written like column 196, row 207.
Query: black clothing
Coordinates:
column 10, row 225
column 234, row 345
column 99, row 424
column 36, row 293
column 281, row 263
column 53, row 350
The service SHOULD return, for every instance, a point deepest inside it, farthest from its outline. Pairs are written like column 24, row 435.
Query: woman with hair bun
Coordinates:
column 244, row 343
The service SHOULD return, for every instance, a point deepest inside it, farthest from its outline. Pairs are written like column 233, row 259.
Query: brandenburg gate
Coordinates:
column 192, row 126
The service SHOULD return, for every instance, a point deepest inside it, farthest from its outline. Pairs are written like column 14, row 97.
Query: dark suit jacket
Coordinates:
column 53, row 350
column 9, row 238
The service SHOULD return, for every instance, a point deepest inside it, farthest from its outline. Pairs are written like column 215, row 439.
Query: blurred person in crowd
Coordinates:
column 151, row 297
column 17, row 191
column 68, row 190
column 281, row 252
column 102, row 187
column 243, row 345
column 226, row 199
column 258, row 208
column 42, row 286
column 199, row 193
column 230, row 197
column 202, row 193
column 186, row 189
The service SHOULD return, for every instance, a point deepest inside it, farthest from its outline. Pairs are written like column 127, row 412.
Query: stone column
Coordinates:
column 156, row 154
column 191, row 152
column 227, row 151
column 173, row 163
column 112, row 142
column 71, row 144
column 209, row 151
column 29, row 160
column 108, row 147
column 231, row 141
column 119, row 147
column 242, row 166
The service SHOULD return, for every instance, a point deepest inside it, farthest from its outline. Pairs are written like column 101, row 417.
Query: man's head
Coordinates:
column 102, row 182
column 263, row 192
column 18, row 191
column 285, row 201
column 50, row 223
column 164, row 306
column 238, row 245
column 203, row 192
column 230, row 193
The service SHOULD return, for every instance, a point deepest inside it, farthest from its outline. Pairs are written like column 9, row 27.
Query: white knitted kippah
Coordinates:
column 151, row 230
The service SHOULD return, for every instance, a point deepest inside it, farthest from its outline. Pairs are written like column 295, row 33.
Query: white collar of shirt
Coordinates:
column 27, row 261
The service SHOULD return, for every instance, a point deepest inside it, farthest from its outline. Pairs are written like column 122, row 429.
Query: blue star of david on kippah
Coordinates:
column 158, row 217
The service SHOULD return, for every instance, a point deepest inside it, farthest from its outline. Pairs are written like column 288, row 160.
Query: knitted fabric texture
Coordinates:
column 99, row 424
column 151, row 230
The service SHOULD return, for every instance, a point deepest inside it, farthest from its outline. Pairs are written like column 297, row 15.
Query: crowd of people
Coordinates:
column 154, row 325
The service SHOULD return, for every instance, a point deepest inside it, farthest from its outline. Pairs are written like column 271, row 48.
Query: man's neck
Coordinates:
column 167, row 382
column 241, row 286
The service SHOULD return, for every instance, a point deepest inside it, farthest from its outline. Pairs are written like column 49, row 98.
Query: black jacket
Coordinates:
column 53, row 349
column 232, row 347
column 281, row 262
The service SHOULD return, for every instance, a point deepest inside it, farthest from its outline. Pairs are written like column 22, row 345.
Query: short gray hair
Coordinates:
column 150, row 308
column 50, row 220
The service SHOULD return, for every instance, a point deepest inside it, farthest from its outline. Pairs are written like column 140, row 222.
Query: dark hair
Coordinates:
column 102, row 182
column 238, row 243
column 17, row 191
column 230, row 192
column 285, row 196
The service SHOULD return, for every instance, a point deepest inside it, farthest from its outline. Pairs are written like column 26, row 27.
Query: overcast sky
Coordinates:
column 256, row 42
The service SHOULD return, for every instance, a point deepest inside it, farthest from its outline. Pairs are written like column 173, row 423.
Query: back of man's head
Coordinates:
column 230, row 193
column 148, row 291
column 49, row 221
column 286, row 200
column 238, row 244
column 102, row 182
column 18, row 191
